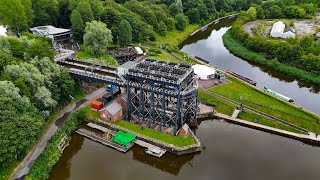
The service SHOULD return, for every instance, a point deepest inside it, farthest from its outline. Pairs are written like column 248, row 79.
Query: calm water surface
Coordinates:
column 231, row 152
column 209, row 46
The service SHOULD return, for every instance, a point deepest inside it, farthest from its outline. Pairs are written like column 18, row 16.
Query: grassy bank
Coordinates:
column 237, row 49
column 50, row 155
column 169, row 139
column 227, row 108
column 105, row 57
column 253, row 117
column 164, row 57
column 268, row 104
column 220, row 105
column 175, row 37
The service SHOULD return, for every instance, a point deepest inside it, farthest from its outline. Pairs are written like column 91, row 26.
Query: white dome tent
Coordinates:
column 203, row 71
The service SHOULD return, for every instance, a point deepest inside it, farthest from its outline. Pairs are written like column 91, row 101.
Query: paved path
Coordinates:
column 24, row 167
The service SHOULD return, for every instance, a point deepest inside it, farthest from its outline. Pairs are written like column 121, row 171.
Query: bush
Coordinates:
column 155, row 50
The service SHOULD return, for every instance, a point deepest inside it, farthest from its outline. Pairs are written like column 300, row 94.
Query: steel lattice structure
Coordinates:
column 161, row 93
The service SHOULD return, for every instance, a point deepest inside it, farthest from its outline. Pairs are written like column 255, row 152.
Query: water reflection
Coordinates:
column 209, row 45
column 169, row 163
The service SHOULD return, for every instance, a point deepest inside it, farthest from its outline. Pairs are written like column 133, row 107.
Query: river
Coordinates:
column 209, row 45
column 230, row 151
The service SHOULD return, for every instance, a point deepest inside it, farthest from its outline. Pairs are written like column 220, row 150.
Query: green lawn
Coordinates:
column 221, row 106
column 175, row 37
column 105, row 57
column 91, row 113
column 175, row 140
column 253, row 117
column 268, row 104
column 165, row 57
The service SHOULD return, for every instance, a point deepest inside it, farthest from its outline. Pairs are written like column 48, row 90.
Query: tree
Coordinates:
column 46, row 12
column 175, row 9
column 40, row 49
column 193, row 15
column 97, row 37
column 77, row 25
column 171, row 23
column 162, row 29
column 252, row 12
column 13, row 14
column 125, row 33
column 295, row 12
column 5, row 45
column 84, row 8
column 275, row 12
column 181, row 22
column 260, row 12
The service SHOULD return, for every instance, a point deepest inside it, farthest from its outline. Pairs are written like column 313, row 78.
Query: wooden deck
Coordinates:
column 105, row 141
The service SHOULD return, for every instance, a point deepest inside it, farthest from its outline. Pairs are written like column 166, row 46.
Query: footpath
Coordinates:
column 24, row 167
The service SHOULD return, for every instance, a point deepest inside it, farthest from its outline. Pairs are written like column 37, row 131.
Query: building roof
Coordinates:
column 3, row 31
column 128, row 65
column 112, row 108
column 278, row 27
column 203, row 70
column 49, row 30
column 138, row 50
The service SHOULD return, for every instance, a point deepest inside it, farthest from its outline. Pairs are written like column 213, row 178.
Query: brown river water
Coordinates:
column 230, row 152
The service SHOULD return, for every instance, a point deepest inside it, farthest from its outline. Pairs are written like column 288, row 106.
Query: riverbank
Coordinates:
column 238, row 50
column 51, row 154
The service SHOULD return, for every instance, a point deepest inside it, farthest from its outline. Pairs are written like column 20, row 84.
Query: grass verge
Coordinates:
column 164, row 57
column 253, row 117
column 175, row 140
column 268, row 104
column 105, row 57
column 175, row 37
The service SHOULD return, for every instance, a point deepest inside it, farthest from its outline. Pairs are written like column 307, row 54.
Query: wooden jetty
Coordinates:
column 105, row 141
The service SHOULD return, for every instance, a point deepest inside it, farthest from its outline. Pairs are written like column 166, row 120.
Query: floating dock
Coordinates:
column 151, row 149
column 105, row 141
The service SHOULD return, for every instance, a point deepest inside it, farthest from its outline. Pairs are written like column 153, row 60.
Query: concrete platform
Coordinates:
column 206, row 84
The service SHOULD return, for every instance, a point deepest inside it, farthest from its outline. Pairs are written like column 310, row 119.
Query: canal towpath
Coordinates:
column 24, row 167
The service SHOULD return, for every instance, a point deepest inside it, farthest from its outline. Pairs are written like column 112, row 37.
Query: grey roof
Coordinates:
column 128, row 65
column 49, row 30
column 113, row 108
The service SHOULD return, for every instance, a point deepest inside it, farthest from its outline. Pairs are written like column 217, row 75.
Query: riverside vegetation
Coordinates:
column 298, row 57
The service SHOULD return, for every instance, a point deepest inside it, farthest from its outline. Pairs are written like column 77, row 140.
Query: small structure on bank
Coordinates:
column 278, row 31
column 56, row 34
column 203, row 71
column 111, row 112
column 184, row 131
column 96, row 105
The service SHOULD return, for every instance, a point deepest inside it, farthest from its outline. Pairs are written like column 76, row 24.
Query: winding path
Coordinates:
column 23, row 169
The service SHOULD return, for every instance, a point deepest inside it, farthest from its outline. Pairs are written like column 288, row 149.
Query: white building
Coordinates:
column 3, row 31
column 123, row 69
column 138, row 50
column 277, row 31
column 203, row 71
column 56, row 34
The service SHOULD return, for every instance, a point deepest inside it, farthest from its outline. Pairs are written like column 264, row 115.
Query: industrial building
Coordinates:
column 278, row 31
column 56, row 34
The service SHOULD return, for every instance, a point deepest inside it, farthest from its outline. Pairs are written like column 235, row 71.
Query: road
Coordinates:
column 24, row 167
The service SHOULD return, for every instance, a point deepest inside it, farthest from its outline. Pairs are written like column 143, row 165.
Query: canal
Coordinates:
column 208, row 45
column 230, row 151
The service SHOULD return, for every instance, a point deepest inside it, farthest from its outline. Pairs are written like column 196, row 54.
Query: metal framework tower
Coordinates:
column 161, row 94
